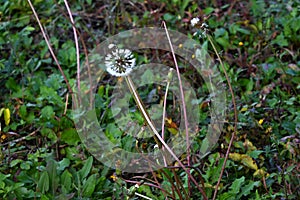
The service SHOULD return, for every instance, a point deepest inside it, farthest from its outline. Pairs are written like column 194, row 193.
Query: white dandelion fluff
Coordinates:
column 195, row 21
column 119, row 62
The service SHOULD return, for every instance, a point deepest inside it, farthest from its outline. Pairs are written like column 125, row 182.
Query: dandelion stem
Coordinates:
column 146, row 116
column 169, row 79
column 142, row 109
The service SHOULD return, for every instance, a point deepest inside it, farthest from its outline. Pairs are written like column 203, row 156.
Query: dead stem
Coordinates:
column 235, row 117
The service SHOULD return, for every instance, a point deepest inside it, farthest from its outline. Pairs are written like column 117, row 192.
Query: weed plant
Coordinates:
column 255, row 45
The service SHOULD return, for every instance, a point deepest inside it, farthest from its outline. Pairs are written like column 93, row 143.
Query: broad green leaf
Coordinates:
column 204, row 146
column 71, row 153
column 247, row 188
column 89, row 2
column 11, row 84
column 101, row 91
column 25, row 165
column 50, row 95
column 47, row 112
column 147, row 190
column 65, row 196
column 19, row 190
column 236, row 185
column 44, row 197
column 25, row 178
column 70, row 136
column 115, row 111
column 254, row 154
column 43, row 184
column 113, row 133
column 54, row 81
column 15, row 162
column 63, row 164
column 250, row 85
column 168, row 17
column 221, row 32
column 52, row 172
column 280, row 40
column 208, row 10
column 86, row 168
column 227, row 196
column 89, row 186
column 23, row 112
column 147, row 77
column 29, row 28
column 242, row 30
column 49, row 133
column 66, row 182
column 223, row 42
column 67, row 54
column 247, row 83
column 3, row 176
column 257, row 7
column 216, row 171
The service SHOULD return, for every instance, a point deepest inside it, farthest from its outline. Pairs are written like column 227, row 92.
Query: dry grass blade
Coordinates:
column 76, row 44
column 190, row 177
column 50, row 47
column 151, row 125
column 235, row 117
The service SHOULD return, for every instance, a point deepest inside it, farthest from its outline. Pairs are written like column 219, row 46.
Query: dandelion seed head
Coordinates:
column 119, row 62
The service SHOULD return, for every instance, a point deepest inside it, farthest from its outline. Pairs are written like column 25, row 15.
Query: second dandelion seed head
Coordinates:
column 202, row 28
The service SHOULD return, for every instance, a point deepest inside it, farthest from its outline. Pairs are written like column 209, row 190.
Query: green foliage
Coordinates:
column 236, row 191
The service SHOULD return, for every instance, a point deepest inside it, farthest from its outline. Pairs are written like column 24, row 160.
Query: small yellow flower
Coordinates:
column 261, row 121
column 114, row 177
column 180, row 45
column 3, row 137
column 193, row 56
column 241, row 43
column 269, row 130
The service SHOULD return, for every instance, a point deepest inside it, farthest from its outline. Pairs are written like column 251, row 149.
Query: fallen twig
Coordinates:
column 21, row 139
